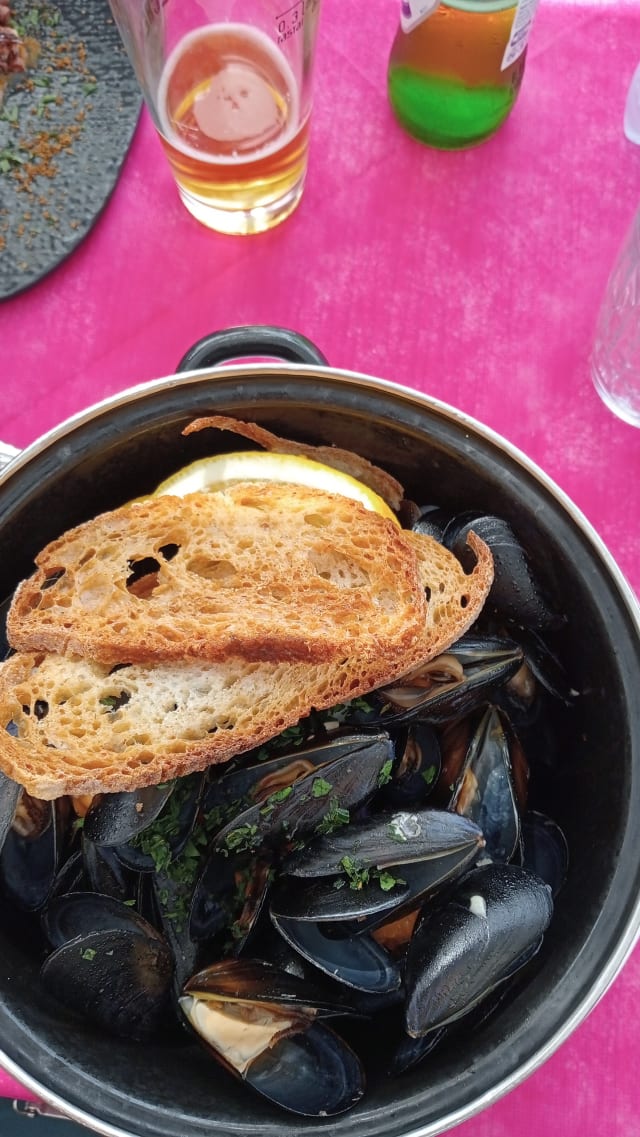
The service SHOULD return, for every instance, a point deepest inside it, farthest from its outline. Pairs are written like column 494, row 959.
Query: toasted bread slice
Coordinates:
column 262, row 571
column 70, row 725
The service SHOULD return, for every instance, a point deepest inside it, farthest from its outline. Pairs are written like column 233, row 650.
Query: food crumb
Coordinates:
column 44, row 110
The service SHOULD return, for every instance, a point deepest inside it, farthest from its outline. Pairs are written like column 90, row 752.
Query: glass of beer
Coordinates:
column 228, row 84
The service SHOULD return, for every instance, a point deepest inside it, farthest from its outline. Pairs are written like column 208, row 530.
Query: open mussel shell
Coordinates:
column 76, row 913
column 10, row 793
column 33, row 851
column 247, row 782
column 545, row 850
column 115, row 819
column 297, row 1063
column 260, row 1023
column 416, row 769
column 178, row 812
column 366, row 904
column 258, row 981
column 515, row 592
column 386, row 840
column 492, row 923
column 485, row 789
column 105, row 871
column 229, row 895
column 310, row 803
column 331, row 899
column 118, row 979
column 355, row 961
column 454, row 683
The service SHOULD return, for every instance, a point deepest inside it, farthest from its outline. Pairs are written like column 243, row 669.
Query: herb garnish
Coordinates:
column 358, row 876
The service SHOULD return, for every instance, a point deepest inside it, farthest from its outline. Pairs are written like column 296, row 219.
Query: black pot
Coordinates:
column 127, row 444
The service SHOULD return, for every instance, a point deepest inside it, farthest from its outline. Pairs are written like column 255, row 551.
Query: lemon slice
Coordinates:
column 221, row 470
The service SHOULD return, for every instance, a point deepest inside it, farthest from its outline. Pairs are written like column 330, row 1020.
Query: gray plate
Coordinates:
column 80, row 83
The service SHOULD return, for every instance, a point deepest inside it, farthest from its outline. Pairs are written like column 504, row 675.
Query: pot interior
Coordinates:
column 590, row 787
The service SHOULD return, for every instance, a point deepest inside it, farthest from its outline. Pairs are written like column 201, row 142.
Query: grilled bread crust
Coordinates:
column 77, row 726
column 260, row 571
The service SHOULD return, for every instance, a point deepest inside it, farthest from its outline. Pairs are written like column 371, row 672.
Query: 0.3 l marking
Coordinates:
column 290, row 21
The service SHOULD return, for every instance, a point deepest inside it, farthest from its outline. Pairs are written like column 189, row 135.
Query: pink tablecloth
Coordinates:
column 473, row 276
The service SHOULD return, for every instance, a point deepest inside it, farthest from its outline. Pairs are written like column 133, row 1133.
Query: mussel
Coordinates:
column 263, row 1025
column 462, row 950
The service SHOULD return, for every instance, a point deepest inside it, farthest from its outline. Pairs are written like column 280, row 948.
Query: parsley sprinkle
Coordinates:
column 385, row 773
column 320, row 787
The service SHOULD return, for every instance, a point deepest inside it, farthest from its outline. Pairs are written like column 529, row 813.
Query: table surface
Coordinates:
column 472, row 276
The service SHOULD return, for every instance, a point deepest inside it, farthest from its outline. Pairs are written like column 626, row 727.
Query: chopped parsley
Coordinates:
column 384, row 777
column 334, row 818
column 320, row 787
column 358, row 876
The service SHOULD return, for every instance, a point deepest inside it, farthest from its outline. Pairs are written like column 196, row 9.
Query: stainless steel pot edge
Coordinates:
column 16, row 459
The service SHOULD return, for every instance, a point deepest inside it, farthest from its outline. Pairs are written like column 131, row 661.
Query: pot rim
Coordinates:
column 305, row 372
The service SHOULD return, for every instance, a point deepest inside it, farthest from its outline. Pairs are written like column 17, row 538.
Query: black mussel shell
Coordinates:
column 258, row 981
column 307, row 1069
column 356, row 961
column 70, row 876
column 246, row 783
column 431, row 521
column 386, row 840
column 485, row 791
column 115, row 819
column 212, row 904
column 10, row 794
column 416, row 768
column 117, row 979
column 33, row 851
column 308, row 804
column 331, row 899
column 367, row 901
column 76, row 914
column 313, row 1073
column 492, row 923
column 545, row 850
column 515, row 592
column 454, row 683
column 178, row 814
column 105, row 871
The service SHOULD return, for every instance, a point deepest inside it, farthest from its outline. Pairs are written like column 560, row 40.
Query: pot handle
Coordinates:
column 250, row 340
column 7, row 454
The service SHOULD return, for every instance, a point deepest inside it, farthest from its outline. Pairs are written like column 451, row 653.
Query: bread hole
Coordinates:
column 387, row 601
column 339, row 570
column 169, row 551
column 115, row 701
column 41, row 708
column 143, row 577
column 317, row 520
column 278, row 592
column 86, row 557
column 52, row 578
column 220, row 571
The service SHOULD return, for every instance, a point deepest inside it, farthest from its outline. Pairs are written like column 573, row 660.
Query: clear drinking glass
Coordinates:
column 228, row 84
column 615, row 357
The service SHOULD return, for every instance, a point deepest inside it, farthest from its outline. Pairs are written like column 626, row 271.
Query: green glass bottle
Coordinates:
column 455, row 68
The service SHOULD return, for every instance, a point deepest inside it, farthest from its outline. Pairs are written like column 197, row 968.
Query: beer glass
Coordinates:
column 615, row 355
column 228, row 84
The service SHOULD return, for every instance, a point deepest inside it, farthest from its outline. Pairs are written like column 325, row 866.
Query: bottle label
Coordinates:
column 520, row 29
column 413, row 12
